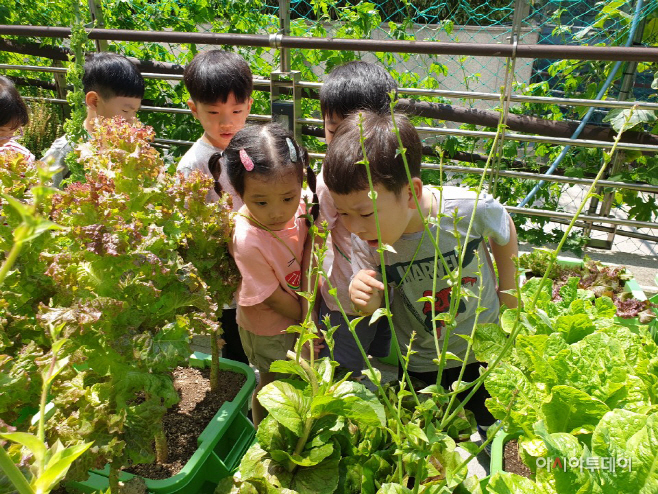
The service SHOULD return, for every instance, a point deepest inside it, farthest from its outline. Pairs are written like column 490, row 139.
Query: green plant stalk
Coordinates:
column 409, row 178
column 74, row 126
column 41, row 433
column 161, row 447
column 308, row 425
column 420, row 474
column 454, row 300
column 11, row 257
column 468, row 346
column 214, row 361
column 312, row 296
column 14, row 475
column 387, row 304
column 457, row 299
column 451, row 322
column 489, row 438
column 399, row 426
column 434, row 280
column 364, row 355
column 113, row 479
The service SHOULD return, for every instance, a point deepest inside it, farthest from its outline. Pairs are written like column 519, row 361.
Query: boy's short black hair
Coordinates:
column 112, row 75
column 356, row 86
column 343, row 174
column 13, row 111
column 213, row 75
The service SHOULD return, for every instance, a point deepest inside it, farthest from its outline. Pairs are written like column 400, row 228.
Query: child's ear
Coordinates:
column 192, row 107
column 415, row 186
column 91, row 99
column 251, row 101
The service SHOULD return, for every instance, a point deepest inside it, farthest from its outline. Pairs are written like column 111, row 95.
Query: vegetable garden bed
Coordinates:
column 221, row 445
column 633, row 307
column 581, row 387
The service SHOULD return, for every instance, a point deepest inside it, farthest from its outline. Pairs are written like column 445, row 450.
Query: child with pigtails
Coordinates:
column 265, row 167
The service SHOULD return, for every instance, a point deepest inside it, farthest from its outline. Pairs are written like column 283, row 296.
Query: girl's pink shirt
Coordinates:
column 12, row 145
column 266, row 263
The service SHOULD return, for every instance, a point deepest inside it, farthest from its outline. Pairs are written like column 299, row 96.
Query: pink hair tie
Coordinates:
column 246, row 160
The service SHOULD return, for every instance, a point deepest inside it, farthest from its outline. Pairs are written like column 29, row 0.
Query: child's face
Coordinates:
column 118, row 106
column 221, row 121
column 331, row 122
column 7, row 132
column 272, row 202
column 396, row 213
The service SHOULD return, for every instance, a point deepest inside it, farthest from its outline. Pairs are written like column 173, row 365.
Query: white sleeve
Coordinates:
column 492, row 219
column 186, row 163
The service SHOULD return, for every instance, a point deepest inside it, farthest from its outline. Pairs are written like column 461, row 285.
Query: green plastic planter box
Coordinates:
column 222, row 444
column 497, row 449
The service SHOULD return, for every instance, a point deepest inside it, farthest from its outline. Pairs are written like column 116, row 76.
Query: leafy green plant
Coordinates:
column 128, row 288
column 598, row 279
column 317, row 431
column 24, row 232
column 44, row 127
column 123, row 280
column 50, row 464
column 574, row 374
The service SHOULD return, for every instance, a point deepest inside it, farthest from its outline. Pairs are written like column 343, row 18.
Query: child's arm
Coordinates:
column 504, row 254
column 366, row 291
column 285, row 304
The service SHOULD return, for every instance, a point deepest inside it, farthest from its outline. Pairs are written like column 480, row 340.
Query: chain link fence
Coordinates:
column 458, row 81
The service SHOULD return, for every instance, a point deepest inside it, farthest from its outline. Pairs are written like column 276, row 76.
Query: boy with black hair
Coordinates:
column 409, row 264
column 348, row 88
column 353, row 86
column 113, row 87
column 220, row 84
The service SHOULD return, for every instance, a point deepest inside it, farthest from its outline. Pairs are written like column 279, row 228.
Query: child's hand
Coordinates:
column 366, row 291
column 316, row 345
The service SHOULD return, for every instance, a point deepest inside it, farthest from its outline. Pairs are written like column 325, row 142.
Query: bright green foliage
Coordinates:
column 74, row 125
column 595, row 277
column 22, row 342
column 571, row 375
column 317, row 433
column 127, row 282
column 44, row 127
column 620, row 434
column 126, row 278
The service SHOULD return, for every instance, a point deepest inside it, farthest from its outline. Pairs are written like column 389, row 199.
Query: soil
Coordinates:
column 185, row 421
column 512, row 462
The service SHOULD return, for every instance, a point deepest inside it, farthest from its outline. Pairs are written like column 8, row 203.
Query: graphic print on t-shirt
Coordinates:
column 294, row 280
column 419, row 280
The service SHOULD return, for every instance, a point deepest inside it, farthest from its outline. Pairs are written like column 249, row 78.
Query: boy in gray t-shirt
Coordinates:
column 409, row 259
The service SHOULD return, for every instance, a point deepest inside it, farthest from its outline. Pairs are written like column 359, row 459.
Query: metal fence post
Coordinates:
column 287, row 111
column 625, row 92
column 96, row 12
column 284, row 22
